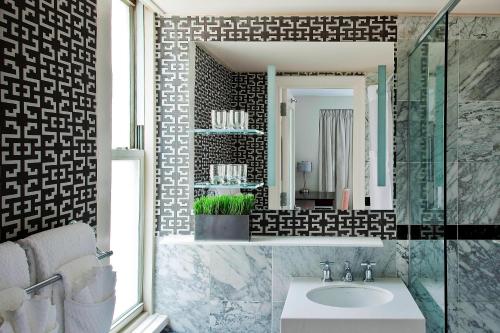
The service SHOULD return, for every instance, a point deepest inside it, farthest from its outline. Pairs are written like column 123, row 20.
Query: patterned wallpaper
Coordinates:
column 173, row 37
column 217, row 87
column 48, row 120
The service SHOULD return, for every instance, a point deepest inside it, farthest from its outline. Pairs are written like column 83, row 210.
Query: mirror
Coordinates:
column 318, row 131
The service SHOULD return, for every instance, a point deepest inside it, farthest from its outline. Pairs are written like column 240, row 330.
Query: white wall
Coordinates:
column 307, row 131
column 103, row 110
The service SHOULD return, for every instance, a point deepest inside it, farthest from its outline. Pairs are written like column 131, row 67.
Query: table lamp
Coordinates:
column 304, row 167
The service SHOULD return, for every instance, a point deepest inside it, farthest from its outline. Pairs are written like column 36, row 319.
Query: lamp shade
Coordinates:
column 304, row 166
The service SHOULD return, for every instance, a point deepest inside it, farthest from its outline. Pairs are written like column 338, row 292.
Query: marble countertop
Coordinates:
column 282, row 241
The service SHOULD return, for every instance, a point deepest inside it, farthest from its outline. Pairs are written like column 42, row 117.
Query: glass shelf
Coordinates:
column 245, row 186
column 211, row 131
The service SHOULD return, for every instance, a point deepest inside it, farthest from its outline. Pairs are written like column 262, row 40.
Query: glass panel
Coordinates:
column 426, row 172
column 125, row 226
column 245, row 186
column 210, row 131
column 121, row 66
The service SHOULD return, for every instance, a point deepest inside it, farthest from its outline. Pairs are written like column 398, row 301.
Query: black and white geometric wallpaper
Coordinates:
column 47, row 119
column 219, row 88
column 354, row 223
column 173, row 35
column 212, row 91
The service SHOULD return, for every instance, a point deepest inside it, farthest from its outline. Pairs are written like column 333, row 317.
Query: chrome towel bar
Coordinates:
column 100, row 255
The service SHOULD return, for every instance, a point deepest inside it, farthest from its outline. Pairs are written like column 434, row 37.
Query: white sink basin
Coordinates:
column 355, row 296
column 384, row 306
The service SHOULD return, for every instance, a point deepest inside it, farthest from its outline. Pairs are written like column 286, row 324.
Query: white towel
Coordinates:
column 89, row 291
column 14, row 270
column 20, row 314
column 47, row 251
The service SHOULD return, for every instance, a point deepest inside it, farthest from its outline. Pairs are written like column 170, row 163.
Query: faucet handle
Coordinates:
column 347, row 264
column 326, row 262
column 368, row 264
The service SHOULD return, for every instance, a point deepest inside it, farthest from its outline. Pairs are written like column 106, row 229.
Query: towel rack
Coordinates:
column 100, row 255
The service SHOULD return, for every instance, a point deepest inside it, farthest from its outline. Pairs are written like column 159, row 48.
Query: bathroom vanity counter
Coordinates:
column 283, row 241
column 385, row 305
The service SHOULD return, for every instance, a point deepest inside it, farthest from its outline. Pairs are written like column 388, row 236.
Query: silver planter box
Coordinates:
column 222, row 227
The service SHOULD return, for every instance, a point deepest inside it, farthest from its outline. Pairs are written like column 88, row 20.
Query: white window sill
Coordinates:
column 147, row 323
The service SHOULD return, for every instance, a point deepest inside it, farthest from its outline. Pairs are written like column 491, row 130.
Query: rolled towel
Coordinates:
column 14, row 270
column 49, row 250
column 21, row 314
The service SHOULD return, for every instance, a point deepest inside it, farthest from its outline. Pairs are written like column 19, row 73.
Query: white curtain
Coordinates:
column 335, row 152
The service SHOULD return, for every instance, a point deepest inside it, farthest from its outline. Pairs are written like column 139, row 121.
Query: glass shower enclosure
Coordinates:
column 426, row 174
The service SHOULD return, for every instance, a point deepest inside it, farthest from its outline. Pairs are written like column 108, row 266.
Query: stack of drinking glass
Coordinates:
column 232, row 119
column 231, row 174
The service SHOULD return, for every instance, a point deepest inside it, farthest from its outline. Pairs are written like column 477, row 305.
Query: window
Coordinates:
column 122, row 57
column 127, row 169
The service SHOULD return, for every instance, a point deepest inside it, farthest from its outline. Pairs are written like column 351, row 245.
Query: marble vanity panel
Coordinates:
column 385, row 259
column 181, row 286
column 240, row 273
column 479, row 70
column 181, row 273
column 277, row 310
column 240, row 316
column 479, row 131
column 294, row 261
column 478, row 188
column 291, row 262
column 434, row 322
column 479, row 270
column 402, row 259
column 475, row 27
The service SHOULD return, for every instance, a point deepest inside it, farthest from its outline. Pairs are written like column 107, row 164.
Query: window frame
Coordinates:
column 136, row 32
column 136, row 310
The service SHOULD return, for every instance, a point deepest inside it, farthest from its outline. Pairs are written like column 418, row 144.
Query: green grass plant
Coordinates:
column 239, row 204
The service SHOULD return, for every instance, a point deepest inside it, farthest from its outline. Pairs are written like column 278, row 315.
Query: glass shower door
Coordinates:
column 427, row 71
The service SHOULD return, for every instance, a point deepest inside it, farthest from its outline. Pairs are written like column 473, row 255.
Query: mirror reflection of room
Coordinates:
column 316, row 133
column 323, row 148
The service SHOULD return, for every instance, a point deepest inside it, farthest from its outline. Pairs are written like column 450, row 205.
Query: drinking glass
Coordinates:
column 236, row 119
column 244, row 123
column 219, row 119
column 243, row 171
column 217, row 174
column 232, row 176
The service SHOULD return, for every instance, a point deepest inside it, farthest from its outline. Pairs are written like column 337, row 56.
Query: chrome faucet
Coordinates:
column 347, row 272
column 327, row 273
column 368, row 271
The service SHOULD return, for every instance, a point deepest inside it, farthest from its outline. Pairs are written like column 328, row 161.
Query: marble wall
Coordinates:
column 242, row 288
column 472, row 174
column 473, row 157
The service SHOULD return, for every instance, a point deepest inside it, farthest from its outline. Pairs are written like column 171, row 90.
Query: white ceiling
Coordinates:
column 320, row 7
column 322, row 92
column 303, row 56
